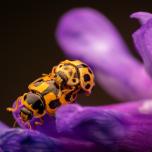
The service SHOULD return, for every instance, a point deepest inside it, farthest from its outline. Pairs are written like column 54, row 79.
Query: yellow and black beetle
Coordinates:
column 52, row 90
column 29, row 105
column 75, row 74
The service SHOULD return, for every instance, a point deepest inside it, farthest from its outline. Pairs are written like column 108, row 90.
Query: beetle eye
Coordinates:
column 37, row 105
column 54, row 104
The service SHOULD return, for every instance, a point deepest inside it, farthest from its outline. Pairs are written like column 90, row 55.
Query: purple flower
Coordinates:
column 143, row 38
column 87, row 35
column 121, row 127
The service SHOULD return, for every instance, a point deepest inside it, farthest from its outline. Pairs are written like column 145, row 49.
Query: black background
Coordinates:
column 29, row 48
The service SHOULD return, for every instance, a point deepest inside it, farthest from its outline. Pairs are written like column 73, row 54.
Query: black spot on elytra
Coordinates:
column 86, row 77
column 68, row 97
column 38, row 105
column 74, row 80
column 54, row 104
column 87, row 86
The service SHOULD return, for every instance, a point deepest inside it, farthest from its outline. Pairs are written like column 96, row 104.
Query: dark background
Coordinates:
column 29, row 48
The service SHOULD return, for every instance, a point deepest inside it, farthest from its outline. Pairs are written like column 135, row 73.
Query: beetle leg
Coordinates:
column 11, row 109
column 39, row 122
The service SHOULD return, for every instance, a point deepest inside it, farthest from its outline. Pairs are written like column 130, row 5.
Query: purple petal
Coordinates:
column 3, row 127
column 119, row 127
column 122, row 127
column 17, row 140
column 20, row 140
column 143, row 17
column 87, row 35
column 143, row 41
column 85, row 30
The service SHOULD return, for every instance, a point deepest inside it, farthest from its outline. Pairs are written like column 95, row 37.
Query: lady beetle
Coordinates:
column 74, row 73
column 28, row 106
column 52, row 90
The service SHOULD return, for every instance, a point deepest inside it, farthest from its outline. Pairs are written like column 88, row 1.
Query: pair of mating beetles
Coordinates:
column 52, row 90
